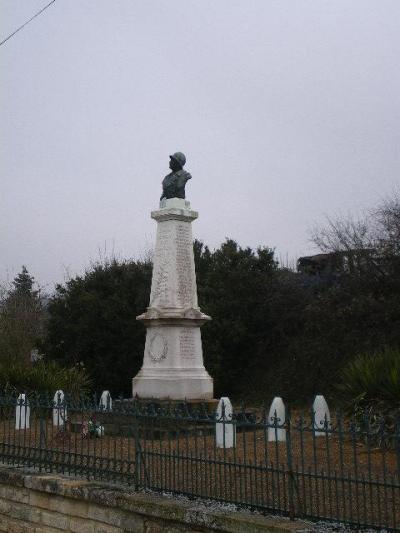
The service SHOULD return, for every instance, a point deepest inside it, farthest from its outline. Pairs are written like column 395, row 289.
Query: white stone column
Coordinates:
column 173, row 358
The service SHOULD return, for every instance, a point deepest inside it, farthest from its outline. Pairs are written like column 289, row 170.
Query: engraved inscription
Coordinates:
column 158, row 348
column 187, row 344
column 162, row 260
column 183, row 264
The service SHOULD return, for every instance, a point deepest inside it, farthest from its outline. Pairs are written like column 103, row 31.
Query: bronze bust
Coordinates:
column 174, row 183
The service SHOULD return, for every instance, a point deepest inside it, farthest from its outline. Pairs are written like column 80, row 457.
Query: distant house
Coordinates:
column 337, row 262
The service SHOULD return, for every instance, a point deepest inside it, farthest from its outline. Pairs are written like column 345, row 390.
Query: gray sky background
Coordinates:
column 286, row 110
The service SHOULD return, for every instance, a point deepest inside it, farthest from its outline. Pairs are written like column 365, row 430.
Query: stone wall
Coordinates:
column 44, row 503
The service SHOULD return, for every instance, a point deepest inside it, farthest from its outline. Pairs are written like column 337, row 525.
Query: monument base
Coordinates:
column 193, row 384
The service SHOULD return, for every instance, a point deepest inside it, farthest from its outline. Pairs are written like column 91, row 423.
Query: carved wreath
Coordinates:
column 158, row 348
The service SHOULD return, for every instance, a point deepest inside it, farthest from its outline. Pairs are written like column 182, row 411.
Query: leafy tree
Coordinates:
column 22, row 318
column 93, row 321
column 23, row 284
column 233, row 286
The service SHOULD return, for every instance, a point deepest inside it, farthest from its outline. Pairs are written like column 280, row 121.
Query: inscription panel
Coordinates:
column 184, row 247
column 162, row 263
column 187, row 344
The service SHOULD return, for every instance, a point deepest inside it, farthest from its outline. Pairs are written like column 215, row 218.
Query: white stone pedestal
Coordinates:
column 173, row 357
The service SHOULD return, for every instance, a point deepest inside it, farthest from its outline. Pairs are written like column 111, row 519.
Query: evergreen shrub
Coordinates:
column 45, row 377
column 371, row 377
column 370, row 388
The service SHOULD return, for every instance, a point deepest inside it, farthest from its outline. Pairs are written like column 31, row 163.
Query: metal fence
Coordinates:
column 343, row 470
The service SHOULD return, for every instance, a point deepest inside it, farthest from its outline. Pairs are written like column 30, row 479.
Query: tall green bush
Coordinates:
column 22, row 318
column 92, row 320
column 44, row 377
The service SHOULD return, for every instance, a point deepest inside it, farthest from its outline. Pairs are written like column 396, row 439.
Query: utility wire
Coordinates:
column 27, row 22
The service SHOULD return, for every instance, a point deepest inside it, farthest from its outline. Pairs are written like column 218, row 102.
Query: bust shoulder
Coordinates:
column 183, row 174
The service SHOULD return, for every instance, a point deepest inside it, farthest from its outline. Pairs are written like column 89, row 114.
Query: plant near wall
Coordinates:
column 370, row 389
column 44, row 377
column 372, row 377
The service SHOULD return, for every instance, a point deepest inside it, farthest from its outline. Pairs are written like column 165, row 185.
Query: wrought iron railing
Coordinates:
column 342, row 469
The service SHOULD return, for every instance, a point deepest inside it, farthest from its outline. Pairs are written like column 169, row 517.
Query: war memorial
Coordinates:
column 173, row 365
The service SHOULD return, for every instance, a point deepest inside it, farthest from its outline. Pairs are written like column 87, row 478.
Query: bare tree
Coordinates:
column 387, row 216
column 342, row 235
column 370, row 242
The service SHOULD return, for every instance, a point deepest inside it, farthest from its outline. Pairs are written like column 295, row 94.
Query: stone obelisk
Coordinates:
column 173, row 365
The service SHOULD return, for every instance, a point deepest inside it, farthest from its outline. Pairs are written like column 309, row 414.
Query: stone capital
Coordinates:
column 174, row 209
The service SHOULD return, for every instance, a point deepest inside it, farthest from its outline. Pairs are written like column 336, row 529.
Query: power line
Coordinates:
column 27, row 22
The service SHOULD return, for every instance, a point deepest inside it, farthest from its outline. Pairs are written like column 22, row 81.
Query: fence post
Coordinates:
column 22, row 412
column 289, row 458
column 105, row 401
column 225, row 431
column 322, row 417
column 137, row 453
column 59, row 409
column 42, row 441
column 277, row 417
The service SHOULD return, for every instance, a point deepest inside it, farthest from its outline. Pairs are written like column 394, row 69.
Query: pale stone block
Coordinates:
column 17, row 494
column 56, row 520
column 39, row 499
column 276, row 417
column 60, row 409
column 22, row 412
column 115, row 517
column 104, row 514
column 81, row 525
column 11, row 525
column 69, row 506
column 225, row 430
column 132, row 523
column 24, row 512
column 5, row 507
column 322, row 417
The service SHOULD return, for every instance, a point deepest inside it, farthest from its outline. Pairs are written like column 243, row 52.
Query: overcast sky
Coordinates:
column 286, row 111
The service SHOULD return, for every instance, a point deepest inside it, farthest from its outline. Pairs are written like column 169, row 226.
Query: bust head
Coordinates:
column 177, row 161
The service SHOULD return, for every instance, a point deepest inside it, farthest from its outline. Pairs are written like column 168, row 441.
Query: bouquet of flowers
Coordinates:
column 92, row 429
